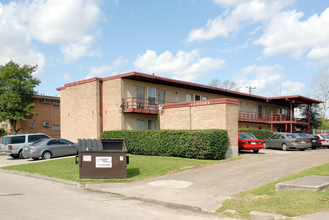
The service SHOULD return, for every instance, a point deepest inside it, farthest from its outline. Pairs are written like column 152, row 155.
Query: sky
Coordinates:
column 276, row 46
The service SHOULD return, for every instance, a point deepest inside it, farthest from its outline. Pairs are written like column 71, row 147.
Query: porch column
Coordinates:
column 308, row 118
column 291, row 116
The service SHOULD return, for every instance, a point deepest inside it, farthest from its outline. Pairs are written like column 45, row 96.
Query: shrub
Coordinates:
column 2, row 132
column 260, row 134
column 198, row 144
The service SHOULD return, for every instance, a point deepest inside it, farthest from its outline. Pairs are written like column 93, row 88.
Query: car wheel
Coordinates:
column 14, row 156
column 20, row 155
column 256, row 151
column 285, row 147
column 46, row 155
column 265, row 146
column 35, row 158
column 313, row 148
column 302, row 149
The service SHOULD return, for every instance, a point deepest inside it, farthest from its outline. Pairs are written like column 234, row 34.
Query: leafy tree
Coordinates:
column 16, row 90
column 2, row 132
column 315, row 119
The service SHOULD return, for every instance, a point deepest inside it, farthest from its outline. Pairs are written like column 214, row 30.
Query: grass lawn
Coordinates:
column 288, row 202
column 139, row 167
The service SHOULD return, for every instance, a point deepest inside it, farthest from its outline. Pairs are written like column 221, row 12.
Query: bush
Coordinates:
column 198, row 144
column 260, row 134
column 2, row 132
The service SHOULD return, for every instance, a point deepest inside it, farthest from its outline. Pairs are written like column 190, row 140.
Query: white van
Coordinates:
column 13, row 144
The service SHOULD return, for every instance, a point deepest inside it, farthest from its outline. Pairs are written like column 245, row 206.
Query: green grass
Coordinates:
column 288, row 202
column 140, row 167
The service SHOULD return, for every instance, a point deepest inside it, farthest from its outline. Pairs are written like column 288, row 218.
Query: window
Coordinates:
column 150, row 124
column 62, row 141
column 189, row 97
column 197, row 97
column 33, row 138
column 204, row 98
column 56, row 127
column 47, row 101
column 18, row 140
column 32, row 125
column 141, row 124
column 151, row 97
column 56, row 104
column 52, row 142
column 140, row 97
column 161, row 96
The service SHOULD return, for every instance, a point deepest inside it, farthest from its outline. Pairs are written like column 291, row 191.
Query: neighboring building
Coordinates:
column 47, row 119
column 131, row 101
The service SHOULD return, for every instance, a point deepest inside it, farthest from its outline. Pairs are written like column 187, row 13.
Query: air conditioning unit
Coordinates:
column 46, row 123
column 46, row 101
column 32, row 125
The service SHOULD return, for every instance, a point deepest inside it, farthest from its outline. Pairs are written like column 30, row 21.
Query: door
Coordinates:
column 151, row 96
column 140, row 97
column 260, row 115
column 254, row 111
column 161, row 96
column 141, row 124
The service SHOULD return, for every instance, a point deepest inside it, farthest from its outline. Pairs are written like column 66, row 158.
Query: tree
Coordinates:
column 320, row 90
column 224, row 85
column 315, row 119
column 16, row 90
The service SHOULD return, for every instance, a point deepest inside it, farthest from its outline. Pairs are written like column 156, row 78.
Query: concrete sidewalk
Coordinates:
column 207, row 187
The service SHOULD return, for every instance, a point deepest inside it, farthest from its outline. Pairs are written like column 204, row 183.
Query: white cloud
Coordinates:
column 15, row 44
column 68, row 24
column 287, row 33
column 267, row 80
column 237, row 12
column 99, row 71
column 184, row 65
column 67, row 77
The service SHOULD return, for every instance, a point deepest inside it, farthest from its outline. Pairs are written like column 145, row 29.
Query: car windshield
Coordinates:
column 307, row 135
column 247, row 136
column 293, row 136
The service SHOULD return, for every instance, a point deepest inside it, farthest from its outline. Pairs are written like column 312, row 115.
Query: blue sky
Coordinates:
column 277, row 46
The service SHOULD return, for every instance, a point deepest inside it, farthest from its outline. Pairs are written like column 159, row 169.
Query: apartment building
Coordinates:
column 47, row 119
column 131, row 101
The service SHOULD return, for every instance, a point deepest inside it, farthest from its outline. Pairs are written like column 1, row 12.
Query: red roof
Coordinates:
column 282, row 100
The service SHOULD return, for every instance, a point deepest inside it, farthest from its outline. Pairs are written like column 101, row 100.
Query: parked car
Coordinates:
column 315, row 140
column 325, row 138
column 13, row 144
column 48, row 148
column 287, row 141
column 248, row 141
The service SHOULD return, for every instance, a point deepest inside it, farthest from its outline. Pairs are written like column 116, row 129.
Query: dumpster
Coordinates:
column 102, row 158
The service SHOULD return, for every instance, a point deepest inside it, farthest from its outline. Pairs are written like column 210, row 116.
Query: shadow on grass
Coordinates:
column 133, row 172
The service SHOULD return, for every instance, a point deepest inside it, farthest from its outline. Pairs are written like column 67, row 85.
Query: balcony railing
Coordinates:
column 260, row 117
column 140, row 105
column 151, row 106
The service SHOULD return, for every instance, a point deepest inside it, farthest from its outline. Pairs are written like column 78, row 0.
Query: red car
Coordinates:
column 248, row 141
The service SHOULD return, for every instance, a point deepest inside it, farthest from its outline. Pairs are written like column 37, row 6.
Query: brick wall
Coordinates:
column 210, row 114
column 80, row 111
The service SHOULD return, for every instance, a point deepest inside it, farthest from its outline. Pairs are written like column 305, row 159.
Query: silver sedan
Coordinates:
column 47, row 148
column 287, row 141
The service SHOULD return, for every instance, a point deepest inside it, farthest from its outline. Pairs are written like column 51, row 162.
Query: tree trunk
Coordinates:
column 13, row 126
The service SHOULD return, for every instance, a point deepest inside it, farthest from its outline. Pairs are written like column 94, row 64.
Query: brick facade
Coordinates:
column 209, row 114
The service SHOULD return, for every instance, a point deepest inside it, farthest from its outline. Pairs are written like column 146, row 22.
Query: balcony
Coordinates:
column 267, row 118
column 140, row 105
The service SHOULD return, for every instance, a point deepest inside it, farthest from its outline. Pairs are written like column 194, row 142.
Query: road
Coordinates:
column 24, row 197
column 166, row 197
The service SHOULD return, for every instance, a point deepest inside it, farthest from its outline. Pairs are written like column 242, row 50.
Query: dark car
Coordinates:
column 315, row 140
column 47, row 148
column 248, row 141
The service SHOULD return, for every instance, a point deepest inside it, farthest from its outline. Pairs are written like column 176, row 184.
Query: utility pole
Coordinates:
column 250, row 88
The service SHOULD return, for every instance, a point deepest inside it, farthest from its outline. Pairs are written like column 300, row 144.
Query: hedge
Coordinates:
column 198, row 144
column 260, row 134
